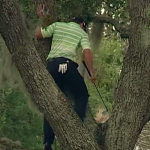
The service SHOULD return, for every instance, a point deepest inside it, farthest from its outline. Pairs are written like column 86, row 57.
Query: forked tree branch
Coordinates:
column 123, row 30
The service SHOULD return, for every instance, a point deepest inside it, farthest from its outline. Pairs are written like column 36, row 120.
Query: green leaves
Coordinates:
column 28, row 8
column 68, row 9
column 18, row 122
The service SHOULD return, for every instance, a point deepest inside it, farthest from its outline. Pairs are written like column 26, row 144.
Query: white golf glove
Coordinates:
column 62, row 68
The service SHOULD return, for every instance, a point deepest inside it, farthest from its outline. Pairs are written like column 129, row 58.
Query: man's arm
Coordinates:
column 45, row 32
column 88, row 59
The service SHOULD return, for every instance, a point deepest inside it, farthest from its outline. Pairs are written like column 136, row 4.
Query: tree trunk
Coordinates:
column 132, row 96
column 71, row 132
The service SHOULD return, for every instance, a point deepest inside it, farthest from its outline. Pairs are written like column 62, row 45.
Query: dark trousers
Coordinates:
column 72, row 85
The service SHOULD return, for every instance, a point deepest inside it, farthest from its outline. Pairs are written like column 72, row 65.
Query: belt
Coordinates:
column 58, row 58
column 62, row 58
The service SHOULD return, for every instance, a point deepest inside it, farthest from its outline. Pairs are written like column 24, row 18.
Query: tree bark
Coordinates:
column 132, row 95
column 71, row 132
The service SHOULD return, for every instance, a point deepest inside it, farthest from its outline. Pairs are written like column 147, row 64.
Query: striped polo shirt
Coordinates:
column 67, row 39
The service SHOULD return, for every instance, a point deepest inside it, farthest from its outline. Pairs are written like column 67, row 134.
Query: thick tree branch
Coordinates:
column 124, row 31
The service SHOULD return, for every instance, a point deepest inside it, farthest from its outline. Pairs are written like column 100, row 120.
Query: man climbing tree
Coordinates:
column 132, row 97
column 62, row 64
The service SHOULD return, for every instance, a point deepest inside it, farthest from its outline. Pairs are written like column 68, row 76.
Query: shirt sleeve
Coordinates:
column 85, row 43
column 48, row 31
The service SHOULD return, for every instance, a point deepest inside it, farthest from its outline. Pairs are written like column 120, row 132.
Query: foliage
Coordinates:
column 117, row 8
column 18, row 122
column 68, row 9
column 28, row 8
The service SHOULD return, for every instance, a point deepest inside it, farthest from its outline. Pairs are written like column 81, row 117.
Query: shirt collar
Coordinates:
column 74, row 24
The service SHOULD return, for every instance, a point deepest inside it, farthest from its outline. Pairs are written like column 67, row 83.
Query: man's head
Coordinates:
column 80, row 21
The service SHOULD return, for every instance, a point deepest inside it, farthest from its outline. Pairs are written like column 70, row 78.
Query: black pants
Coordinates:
column 72, row 85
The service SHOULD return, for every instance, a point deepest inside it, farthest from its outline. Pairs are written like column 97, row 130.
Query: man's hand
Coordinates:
column 41, row 11
column 92, row 77
column 38, row 33
column 90, row 72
